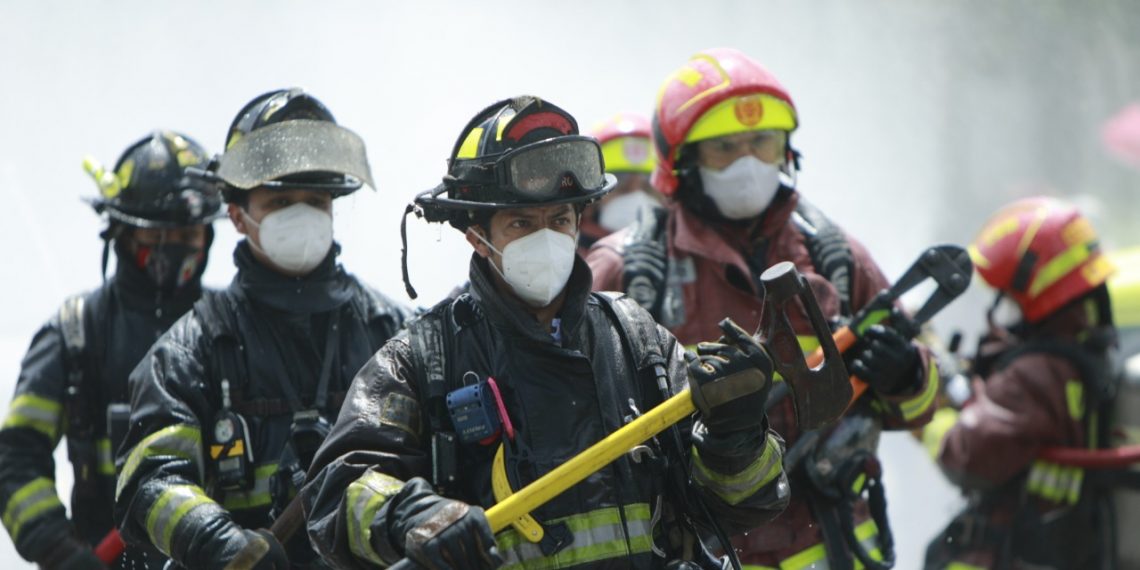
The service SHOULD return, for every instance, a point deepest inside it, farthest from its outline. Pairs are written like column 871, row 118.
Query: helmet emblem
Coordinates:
column 749, row 110
column 636, row 150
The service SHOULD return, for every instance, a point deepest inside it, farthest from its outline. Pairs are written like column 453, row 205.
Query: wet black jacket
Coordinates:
column 266, row 334
column 561, row 398
column 110, row 330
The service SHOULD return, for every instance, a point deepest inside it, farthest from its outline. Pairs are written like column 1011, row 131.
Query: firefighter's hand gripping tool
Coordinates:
column 950, row 269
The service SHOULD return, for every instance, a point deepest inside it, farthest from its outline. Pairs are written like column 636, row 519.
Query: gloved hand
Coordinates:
column 69, row 554
column 729, row 381
column 261, row 552
column 439, row 533
column 885, row 360
column 643, row 276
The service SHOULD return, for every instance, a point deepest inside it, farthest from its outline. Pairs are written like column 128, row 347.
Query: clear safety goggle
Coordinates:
column 546, row 170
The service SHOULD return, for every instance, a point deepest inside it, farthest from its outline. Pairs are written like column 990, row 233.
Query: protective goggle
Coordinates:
column 551, row 169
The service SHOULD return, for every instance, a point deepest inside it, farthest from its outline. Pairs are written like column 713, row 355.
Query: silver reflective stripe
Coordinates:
column 737, row 487
column 181, row 441
column 29, row 502
column 35, row 412
column 363, row 500
column 598, row 535
column 258, row 496
column 175, row 502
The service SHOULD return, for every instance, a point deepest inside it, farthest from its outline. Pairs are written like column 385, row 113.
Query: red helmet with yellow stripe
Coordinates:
column 626, row 140
column 718, row 92
column 1041, row 252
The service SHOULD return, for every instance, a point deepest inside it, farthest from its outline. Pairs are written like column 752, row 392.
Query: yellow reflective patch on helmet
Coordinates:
column 628, row 154
column 470, row 146
column 757, row 112
column 1078, row 231
column 1098, row 270
column 976, row 256
column 998, row 230
column 234, row 138
column 124, row 176
column 186, row 158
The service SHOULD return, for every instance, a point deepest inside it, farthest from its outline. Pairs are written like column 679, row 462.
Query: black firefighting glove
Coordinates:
column 643, row 275
column 729, row 381
column 262, row 552
column 885, row 360
column 71, row 553
column 440, row 533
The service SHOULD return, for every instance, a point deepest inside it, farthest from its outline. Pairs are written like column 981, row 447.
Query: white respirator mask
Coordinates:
column 536, row 266
column 621, row 211
column 296, row 238
column 743, row 189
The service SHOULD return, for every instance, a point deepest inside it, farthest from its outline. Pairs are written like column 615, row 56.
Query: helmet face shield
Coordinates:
column 290, row 148
column 547, row 170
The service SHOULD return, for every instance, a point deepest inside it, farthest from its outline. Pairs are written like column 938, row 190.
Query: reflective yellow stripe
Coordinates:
column 182, row 441
column 1058, row 267
column 175, row 502
column 723, row 118
column 35, row 412
column 935, row 432
column 628, row 153
column 597, row 535
column 28, row 502
column 470, row 146
column 739, row 486
column 963, row 566
column 872, row 318
column 1056, row 483
column 106, row 457
column 258, row 496
column 363, row 500
column 815, row 557
column 1075, row 396
column 918, row 405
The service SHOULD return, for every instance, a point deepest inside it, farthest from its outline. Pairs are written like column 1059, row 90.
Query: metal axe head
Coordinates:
column 821, row 394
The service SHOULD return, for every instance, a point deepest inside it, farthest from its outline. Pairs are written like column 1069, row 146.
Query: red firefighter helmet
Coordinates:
column 1041, row 252
column 718, row 92
column 626, row 140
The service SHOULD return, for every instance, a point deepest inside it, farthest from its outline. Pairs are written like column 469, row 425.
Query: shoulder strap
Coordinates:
column 217, row 315
column 427, row 338
column 829, row 251
column 640, row 333
column 77, row 400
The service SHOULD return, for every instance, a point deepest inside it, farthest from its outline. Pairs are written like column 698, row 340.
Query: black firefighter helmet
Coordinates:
column 149, row 186
column 516, row 153
column 288, row 139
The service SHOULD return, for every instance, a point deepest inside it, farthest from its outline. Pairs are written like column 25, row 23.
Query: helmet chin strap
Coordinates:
column 404, row 248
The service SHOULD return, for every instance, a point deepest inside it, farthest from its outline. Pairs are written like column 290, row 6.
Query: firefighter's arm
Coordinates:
column 736, row 461
column 377, row 445
column 32, row 511
column 160, row 496
column 999, row 434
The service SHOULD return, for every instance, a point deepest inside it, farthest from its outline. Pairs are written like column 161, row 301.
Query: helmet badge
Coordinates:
column 749, row 110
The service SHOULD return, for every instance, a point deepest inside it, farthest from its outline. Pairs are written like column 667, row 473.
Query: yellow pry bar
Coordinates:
column 590, row 461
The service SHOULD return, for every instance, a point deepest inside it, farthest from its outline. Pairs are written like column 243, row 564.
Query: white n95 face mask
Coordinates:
column 744, row 188
column 621, row 211
column 537, row 266
column 296, row 238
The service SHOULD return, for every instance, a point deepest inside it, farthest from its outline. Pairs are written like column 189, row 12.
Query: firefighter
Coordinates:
column 491, row 390
column 73, row 380
column 627, row 147
column 1044, row 378
column 229, row 406
column 722, row 129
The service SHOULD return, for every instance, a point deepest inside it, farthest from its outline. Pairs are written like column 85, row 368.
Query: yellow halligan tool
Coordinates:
column 514, row 509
